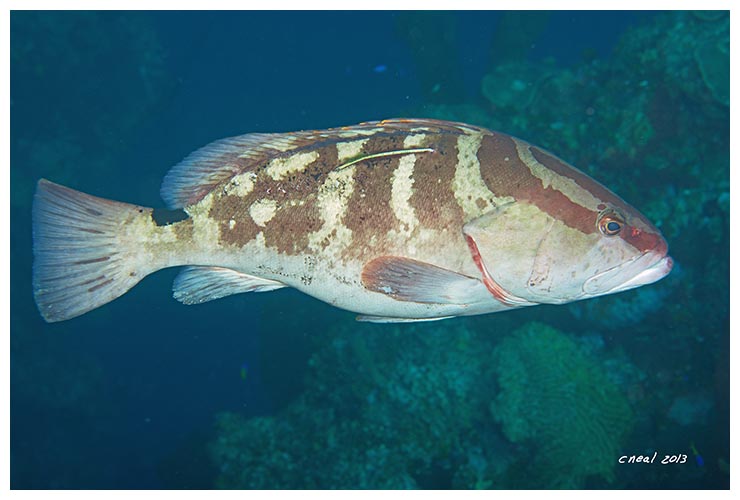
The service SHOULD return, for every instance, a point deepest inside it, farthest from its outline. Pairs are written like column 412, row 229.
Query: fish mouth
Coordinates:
column 653, row 266
column 656, row 272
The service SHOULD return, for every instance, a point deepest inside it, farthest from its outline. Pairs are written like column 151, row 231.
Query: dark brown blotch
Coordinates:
column 369, row 212
column 230, row 207
column 288, row 230
column 642, row 240
column 584, row 181
column 433, row 198
column 514, row 178
column 297, row 215
column 382, row 142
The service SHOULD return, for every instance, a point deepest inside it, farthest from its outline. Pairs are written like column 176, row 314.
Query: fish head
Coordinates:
column 633, row 250
column 530, row 255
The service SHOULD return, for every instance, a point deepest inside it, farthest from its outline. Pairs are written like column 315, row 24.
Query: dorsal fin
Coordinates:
column 391, row 124
column 195, row 176
column 191, row 179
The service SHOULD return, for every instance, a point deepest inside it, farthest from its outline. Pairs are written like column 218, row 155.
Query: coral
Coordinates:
column 675, row 47
column 413, row 406
column 385, row 407
column 305, row 448
column 666, row 79
column 555, row 397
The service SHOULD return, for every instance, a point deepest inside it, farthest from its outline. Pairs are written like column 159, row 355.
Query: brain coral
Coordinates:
column 558, row 400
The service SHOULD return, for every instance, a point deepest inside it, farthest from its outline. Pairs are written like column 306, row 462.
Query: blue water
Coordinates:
column 127, row 395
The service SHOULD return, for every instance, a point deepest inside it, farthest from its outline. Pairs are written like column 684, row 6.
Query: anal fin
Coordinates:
column 198, row 284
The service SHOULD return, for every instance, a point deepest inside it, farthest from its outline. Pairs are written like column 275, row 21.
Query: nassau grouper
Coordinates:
column 397, row 220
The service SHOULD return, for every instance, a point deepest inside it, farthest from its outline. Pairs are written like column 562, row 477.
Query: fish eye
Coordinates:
column 610, row 226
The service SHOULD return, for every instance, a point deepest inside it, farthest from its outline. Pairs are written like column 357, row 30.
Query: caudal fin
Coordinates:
column 79, row 260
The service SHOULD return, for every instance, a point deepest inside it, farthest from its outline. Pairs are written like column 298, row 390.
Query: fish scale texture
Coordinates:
column 553, row 394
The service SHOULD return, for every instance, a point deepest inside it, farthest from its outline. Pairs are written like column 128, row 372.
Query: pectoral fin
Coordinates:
column 415, row 281
column 198, row 284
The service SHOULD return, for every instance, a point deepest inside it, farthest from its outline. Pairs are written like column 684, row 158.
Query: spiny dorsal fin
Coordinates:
column 198, row 284
column 195, row 176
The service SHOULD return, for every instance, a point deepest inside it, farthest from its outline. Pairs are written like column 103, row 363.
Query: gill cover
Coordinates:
column 531, row 255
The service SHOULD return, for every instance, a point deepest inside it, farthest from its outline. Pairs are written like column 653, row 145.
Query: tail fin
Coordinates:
column 79, row 261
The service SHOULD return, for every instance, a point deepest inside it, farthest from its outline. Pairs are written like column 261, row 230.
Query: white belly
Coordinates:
column 340, row 285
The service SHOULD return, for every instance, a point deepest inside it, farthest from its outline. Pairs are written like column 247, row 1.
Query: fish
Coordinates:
column 398, row 220
column 697, row 456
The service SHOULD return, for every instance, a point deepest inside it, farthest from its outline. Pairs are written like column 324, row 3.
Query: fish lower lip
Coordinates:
column 657, row 271
column 668, row 262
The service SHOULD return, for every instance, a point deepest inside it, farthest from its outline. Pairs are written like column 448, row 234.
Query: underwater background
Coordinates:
column 279, row 390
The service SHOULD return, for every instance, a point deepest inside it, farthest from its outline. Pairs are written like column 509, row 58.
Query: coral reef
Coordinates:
column 689, row 49
column 557, row 398
column 384, row 408
column 413, row 407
